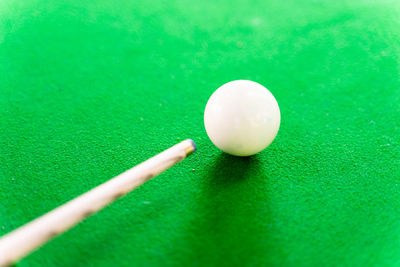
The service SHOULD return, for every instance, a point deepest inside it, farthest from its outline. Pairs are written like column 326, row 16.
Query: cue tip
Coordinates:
column 192, row 148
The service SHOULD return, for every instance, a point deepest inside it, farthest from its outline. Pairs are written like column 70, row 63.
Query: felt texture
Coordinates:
column 91, row 88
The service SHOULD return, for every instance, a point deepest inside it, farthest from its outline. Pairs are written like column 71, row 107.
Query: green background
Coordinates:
column 91, row 88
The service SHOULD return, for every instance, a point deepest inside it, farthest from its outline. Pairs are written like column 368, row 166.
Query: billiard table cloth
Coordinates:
column 92, row 88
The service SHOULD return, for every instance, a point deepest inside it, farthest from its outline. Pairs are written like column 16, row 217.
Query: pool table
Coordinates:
column 89, row 89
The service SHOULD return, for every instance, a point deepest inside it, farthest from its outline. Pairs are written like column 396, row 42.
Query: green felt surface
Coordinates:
column 90, row 88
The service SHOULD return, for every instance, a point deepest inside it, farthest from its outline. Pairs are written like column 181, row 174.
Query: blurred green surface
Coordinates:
column 90, row 88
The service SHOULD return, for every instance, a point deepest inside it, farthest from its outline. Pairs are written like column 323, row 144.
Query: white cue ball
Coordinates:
column 242, row 118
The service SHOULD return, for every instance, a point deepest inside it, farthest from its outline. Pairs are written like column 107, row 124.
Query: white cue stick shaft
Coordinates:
column 18, row 243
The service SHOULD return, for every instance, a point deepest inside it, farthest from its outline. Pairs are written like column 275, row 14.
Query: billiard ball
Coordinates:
column 242, row 118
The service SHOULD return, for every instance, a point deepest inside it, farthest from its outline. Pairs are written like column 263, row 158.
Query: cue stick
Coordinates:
column 18, row 243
